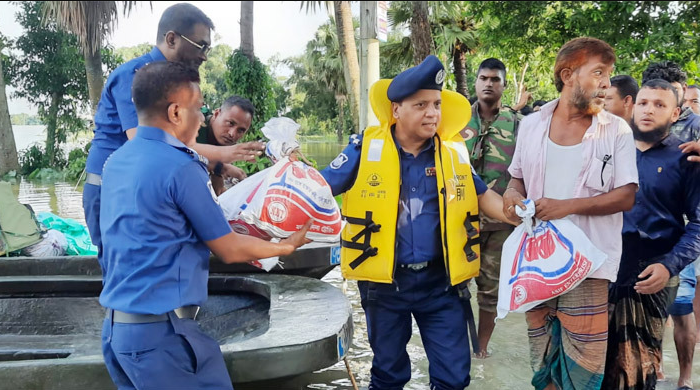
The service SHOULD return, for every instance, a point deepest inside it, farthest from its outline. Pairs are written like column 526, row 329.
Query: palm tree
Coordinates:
column 421, row 38
column 453, row 33
column 324, row 59
column 91, row 22
column 345, row 30
column 247, row 29
column 8, row 149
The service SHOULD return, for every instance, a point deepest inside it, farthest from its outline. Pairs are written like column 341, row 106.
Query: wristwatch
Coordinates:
column 217, row 168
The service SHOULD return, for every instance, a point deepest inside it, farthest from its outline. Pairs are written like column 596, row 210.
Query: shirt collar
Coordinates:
column 668, row 141
column 685, row 113
column 430, row 144
column 156, row 54
column 158, row 134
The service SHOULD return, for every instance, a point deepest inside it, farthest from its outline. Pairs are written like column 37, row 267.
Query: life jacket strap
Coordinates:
column 367, row 250
column 473, row 237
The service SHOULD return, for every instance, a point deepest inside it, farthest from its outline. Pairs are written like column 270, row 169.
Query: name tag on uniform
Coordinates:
column 430, row 172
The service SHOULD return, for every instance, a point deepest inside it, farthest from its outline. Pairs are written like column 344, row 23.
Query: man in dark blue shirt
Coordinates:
column 687, row 129
column 420, row 288
column 657, row 243
column 160, row 219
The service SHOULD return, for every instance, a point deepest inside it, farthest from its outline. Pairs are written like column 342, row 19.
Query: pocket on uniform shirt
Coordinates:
column 600, row 175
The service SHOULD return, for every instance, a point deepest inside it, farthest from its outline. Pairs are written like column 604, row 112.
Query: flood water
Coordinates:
column 507, row 368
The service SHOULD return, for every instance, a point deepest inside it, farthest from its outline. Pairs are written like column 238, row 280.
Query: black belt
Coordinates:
column 416, row 266
column 185, row 312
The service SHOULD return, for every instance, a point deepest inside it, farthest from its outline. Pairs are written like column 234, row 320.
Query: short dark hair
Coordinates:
column 576, row 52
column 626, row 86
column 695, row 86
column 527, row 110
column 181, row 18
column 665, row 70
column 493, row 64
column 154, row 83
column 539, row 103
column 660, row 84
column 241, row 102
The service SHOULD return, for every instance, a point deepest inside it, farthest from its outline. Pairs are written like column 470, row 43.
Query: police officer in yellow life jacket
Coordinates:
column 412, row 205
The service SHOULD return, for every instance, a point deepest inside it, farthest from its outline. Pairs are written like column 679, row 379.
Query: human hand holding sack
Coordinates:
column 543, row 261
column 277, row 201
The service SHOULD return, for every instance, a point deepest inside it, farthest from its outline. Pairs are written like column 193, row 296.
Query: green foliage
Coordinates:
column 50, row 74
column 251, row 80
column 76, row 163
column 25, row 120
column 129, row 53
column 254, row 167
column 110, row 59
column 641, row 32
column 34, row 158
column 317, row 86
column 213, row 75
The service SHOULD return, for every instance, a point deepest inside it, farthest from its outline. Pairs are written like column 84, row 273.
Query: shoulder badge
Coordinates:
column 339, row 161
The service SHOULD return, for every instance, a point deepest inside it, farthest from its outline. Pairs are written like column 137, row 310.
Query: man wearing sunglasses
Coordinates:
column 184, row 35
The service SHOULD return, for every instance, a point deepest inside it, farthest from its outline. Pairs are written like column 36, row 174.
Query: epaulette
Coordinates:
column 197, row 156
column 356, row 139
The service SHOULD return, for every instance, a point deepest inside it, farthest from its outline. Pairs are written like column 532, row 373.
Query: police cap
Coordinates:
column 429, row 74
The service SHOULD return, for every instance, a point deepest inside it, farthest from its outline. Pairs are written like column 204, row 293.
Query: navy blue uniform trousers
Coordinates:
column 173, row 354
column 438, row 311
column 91, row 207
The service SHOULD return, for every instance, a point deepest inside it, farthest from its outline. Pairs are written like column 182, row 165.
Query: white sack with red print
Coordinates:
column 543, row 261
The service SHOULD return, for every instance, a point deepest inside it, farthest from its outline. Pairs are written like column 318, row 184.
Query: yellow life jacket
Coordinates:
column 370, row 207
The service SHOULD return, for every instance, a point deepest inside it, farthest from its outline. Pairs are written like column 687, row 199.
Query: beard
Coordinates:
column 587, row 103
column 652, row 136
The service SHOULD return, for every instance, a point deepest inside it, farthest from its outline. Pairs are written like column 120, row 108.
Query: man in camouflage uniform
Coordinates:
column 490, row 137
column 218, row 138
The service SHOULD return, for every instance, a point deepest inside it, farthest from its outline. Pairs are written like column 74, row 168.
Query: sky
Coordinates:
column 279, row 27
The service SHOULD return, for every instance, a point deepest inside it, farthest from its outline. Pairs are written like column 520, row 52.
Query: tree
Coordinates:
column 530, row 33
column 213, row 75
column 91, row 22
column 421, row 38
column 8, row 149
column 247, row 29
column 131, row 52
column 50, row 73
column 345, row 30
column 348, row 55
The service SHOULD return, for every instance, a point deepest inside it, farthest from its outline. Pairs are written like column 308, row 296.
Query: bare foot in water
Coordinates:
column 482, row 355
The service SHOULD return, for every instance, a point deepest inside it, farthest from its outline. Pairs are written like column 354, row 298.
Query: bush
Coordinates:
column 76, row 163
column 35, row 157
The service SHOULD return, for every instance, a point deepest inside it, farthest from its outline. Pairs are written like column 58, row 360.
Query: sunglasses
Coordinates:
column 205, row 48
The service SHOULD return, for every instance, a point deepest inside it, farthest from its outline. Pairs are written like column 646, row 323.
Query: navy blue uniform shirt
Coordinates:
column 116, row 112
column 418, row 225
column 669, row 188
column 158, row 208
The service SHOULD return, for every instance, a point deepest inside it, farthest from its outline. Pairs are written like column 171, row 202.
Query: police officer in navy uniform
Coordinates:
column 184, row 35
column 159, row 221
column 420, row 285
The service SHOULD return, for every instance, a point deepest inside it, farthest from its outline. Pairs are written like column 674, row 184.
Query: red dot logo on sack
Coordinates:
column 277, row 212
column 374, row 180
column 519, row 294
column 240, row 229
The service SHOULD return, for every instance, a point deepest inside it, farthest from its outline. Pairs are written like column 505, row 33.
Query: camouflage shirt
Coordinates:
column 205, row 134
column 687, row 127
column 491, row 146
